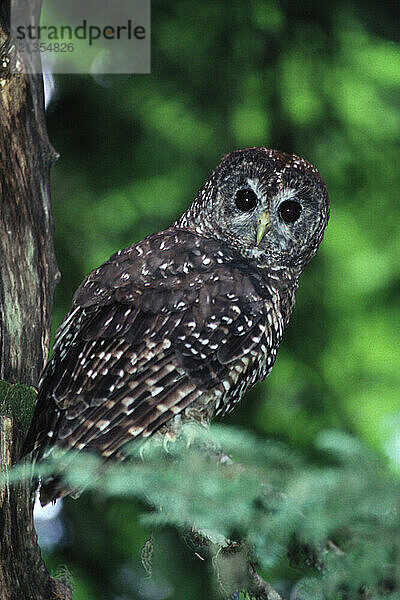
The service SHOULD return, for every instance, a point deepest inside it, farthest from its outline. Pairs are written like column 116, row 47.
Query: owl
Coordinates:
column 179, row 326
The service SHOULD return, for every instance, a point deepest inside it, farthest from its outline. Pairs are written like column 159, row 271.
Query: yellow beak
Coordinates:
column 262, row 226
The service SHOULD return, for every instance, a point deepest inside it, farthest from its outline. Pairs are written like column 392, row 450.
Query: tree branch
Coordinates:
column 233, row 567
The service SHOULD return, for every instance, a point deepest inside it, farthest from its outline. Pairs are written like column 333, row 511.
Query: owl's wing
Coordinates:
column 155, row 329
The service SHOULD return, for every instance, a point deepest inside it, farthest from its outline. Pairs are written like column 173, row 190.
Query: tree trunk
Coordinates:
column 28, row 275
column 28, row 266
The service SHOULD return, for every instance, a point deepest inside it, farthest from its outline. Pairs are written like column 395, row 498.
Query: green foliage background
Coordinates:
column 321, row 80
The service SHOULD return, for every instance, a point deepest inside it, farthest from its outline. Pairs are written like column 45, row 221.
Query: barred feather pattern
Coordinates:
column 177, row 326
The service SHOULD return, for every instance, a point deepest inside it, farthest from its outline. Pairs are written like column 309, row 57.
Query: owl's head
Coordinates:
column 270, row 206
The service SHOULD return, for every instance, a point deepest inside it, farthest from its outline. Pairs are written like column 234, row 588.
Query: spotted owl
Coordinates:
column 180, row 325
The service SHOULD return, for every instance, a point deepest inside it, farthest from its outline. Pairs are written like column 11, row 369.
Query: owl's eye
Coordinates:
column 290, row 211
column 245, row 199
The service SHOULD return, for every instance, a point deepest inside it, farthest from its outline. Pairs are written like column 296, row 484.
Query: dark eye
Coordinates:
column 290, row 211
column 245, row 199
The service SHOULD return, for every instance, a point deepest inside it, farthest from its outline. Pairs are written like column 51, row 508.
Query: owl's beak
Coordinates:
column 262, row 226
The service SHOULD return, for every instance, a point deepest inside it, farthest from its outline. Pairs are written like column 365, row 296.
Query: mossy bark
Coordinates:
column 23, row 575
column 28, row 275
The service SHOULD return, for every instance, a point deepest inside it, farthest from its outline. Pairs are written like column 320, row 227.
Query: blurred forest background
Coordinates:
column 321, row 80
